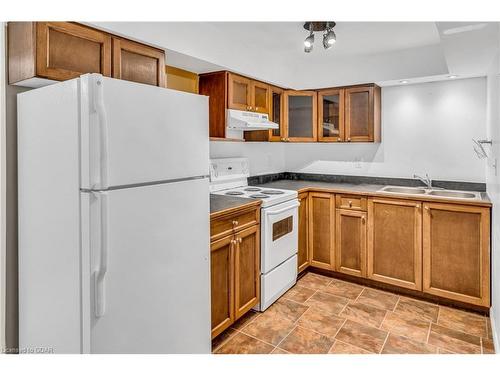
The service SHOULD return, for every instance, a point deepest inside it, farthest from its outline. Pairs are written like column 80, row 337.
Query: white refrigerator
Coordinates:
column 113, row 219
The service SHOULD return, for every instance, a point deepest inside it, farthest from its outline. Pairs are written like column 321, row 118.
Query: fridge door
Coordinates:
column 133, row 133
column 147, row 287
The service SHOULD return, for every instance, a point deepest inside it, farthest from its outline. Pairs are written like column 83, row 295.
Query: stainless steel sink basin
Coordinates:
column 453, row 194
column 403, row 190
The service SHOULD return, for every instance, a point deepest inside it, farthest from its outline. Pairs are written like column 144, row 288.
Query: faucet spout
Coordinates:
column 426, row 180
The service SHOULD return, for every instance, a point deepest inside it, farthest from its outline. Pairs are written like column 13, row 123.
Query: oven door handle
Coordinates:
column 295, row 205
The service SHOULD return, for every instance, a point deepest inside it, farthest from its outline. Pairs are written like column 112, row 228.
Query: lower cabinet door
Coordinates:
column 350, row 245
column 322, row 229
column 247, row 270
column 456, row 252
column 222, row 283
column 303, row 249
column 395, row 242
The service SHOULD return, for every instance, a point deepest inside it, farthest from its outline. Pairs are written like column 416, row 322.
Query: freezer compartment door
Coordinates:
column 148, row 278
column 133, row 133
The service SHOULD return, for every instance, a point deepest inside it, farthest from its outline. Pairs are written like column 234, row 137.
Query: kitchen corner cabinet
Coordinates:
column 395, row 242
column 350, row 237
column 456, row 252
column 300, row 113
column 321, row 230
column 138, row 63
column 234, row 266
column 303, row 230
column 350, row 114
column 41, row 52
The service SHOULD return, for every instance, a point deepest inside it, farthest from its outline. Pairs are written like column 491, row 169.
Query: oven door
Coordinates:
column 279, row 235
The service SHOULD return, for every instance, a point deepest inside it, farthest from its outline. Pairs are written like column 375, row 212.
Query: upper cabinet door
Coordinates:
column 300, row 116
column 362, row 114
column 138, row 63
column 276, row 114
column 331, row 115
column 66, row 50
column 239, row 93
column 260, row 97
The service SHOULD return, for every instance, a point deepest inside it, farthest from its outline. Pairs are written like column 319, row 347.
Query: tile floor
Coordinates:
column 325, row 315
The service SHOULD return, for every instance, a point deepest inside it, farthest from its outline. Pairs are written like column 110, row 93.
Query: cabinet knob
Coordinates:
column 350, row 203
column 348, row 139
column 235, row 223
column 251, row 108
column 240, row 240
column 282, row 139
column 363, row 219
column 233, row 242
column 256, row 108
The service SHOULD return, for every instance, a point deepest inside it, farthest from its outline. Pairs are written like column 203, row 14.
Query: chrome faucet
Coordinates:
column 426, row 180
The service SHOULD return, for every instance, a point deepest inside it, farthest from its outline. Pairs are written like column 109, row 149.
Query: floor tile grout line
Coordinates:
column 428, row 333
column 358, row 347
column 397, row 302
column 284, row 338
column 383, row 320
column 385, row 342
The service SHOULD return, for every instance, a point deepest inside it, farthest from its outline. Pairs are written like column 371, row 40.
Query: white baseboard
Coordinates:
column 495, row 332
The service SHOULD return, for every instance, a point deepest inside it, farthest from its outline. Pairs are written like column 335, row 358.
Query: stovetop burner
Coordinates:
column 272, row 192
column 259, row 196
column 252, row 189
column 235, row 193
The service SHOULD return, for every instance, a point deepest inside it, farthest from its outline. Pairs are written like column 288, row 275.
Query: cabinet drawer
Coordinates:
column 228, row 224
column 351, row 202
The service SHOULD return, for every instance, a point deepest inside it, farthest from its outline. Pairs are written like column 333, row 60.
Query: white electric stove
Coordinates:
column 279, row 225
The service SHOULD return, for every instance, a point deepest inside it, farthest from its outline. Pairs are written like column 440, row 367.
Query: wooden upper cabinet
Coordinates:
column 331, row 115
column 322, row 229
column 245, row 94
column 395, row 242
column 350, row 244
column 222, row 283
column 303, row 246
column 456, row 252
column 300, row 116
column 247, row 270
column 56, row 51
column 239, row 92
column 138, row 63
column 260, row 97
column 362, row 114
column 276, row 114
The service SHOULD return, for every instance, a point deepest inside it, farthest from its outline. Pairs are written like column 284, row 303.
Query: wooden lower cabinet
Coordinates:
column 350, row 244
column 322, row 229
column 456, row 252
column 395, row 242
column 303, row 246
column 222, row 283
column 234, row 266
column 247, row 270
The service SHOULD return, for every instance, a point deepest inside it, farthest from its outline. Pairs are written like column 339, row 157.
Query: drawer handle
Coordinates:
column 350, row 203
column 235, row 223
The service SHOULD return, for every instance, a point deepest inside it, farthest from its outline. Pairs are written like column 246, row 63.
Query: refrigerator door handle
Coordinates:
column 100, row 293
column 103, row 131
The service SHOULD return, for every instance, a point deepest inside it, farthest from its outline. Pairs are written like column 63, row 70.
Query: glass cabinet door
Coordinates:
column 331, row 115
column 239, row 92
column 300, row 116
column 275, row 114
column 359, row 124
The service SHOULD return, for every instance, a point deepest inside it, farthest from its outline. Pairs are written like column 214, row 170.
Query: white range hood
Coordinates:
column 243, row 120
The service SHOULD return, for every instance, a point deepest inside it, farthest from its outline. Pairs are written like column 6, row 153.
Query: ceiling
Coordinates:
column 382, row 52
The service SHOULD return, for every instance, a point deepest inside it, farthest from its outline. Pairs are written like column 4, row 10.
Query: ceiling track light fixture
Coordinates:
column 326, row 27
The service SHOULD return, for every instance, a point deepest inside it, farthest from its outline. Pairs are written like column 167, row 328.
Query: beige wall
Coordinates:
column 182, row 80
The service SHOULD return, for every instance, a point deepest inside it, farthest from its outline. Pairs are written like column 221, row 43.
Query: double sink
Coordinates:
column 432, row 192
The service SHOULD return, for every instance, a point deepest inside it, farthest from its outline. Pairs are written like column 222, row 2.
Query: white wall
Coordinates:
column 265, row 157
column 425, row 128
column 493, row 187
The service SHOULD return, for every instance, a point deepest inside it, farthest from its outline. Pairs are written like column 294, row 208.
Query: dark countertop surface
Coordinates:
column 369, row 189
column 220, row 203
